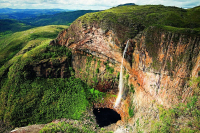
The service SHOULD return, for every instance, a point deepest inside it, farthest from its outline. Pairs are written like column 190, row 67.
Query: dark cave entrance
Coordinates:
column 106, row 116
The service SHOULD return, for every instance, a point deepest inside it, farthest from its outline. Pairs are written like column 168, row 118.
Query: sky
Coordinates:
column 90, row 4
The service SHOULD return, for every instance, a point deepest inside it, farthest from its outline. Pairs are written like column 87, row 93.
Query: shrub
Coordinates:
column 132, row 89
column 65, row 127
column 131, row 111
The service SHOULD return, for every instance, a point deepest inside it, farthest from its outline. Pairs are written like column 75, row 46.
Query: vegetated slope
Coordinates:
column 11, row 44
column 11, row 26
column 27, row 96
column 63, row 18
column 40, row 100
column 133, row 19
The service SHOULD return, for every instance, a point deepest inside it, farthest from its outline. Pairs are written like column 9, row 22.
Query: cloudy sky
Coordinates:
column 90, row 4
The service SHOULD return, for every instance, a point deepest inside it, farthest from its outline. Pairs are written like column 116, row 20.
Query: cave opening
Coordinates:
column 106, row 116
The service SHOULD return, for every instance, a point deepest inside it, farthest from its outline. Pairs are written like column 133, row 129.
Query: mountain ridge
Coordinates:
column 127, row 4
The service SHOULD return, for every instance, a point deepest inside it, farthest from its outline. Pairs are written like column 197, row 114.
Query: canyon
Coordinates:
column 169, row 72
column 159, row 65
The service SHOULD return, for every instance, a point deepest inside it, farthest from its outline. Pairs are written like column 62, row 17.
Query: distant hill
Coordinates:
column 33, row 11
column 8, row 13
column 127, row 4
column 10, row 26
column 63, row 18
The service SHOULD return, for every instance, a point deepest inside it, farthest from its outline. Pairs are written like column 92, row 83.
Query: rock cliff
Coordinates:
column 159, row 62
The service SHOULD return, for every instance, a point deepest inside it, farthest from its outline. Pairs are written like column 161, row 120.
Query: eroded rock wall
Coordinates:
column 166, row 61
column 158, row 62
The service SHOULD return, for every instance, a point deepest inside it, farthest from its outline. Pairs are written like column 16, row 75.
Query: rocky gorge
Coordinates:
column 159, row 62
column 161, row 66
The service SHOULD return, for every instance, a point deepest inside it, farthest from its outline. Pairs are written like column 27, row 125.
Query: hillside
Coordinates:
column 133, row 19
column 19, row 14
column 11, row 26
column 34, row 94
column 68, row 80
column 11, row 44
column 37, row 18
column 63, row 18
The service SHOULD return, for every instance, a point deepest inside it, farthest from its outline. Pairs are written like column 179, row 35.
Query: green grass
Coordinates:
column 11, row 44
column 132, row 19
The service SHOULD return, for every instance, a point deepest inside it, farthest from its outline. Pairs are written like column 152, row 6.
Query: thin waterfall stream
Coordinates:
column 121, row 84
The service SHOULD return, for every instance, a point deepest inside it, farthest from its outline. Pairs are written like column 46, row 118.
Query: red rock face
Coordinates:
column 159, row 63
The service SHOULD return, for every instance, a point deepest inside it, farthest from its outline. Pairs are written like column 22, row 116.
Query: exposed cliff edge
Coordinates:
column 159, row 62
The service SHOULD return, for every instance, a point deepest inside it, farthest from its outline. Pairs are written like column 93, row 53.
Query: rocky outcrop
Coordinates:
column 50, row 68
column 158, row 62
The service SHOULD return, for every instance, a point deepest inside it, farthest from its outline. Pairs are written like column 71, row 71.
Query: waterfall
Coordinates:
column 121, row 79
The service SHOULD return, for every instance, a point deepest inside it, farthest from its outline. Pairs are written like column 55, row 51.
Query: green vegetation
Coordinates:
column 11, row 26
column 20, row 14
column 169, row 118
column 26, row 99
column 132, row 19
column 128, row 21
column 35, row 102
column 131, row 106
column 65, row 127
column 181, row 118
column 11, row 44
column 98, row 66
column 108, row 68
column 63, row 18
column 127, row 77
column 131, row 110
column 138, row 126
column 26, row 19
column 95, row 95
column 132, row 90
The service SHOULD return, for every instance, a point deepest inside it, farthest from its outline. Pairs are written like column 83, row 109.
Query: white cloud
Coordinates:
column 91, row 4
